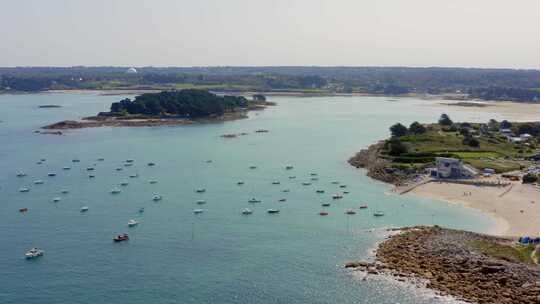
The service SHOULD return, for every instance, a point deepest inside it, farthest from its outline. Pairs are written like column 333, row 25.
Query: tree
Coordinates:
column 493, row 125
column 505, row 124
column 445, row 120
column 471, row 142
column 417, row 128
column 398, row 130
column 396, row 147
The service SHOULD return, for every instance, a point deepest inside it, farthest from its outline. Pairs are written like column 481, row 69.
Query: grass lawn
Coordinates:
column 516, row 253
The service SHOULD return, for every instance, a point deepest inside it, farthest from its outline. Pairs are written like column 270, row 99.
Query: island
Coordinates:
column 174, row 107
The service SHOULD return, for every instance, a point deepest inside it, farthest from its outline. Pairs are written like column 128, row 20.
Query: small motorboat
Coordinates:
column 282, row 200
column 306, row 183
column 285, row 190
column 134, row 176
column 156, row 197
column 363, row 207
column 22, row 210
column 253, row 167
column 56, row 199
column 24, row 189
column 64, row 191
column 66, row 168
column 313, row 174
column 38, row 182
column 21, row 174
column 33, row 253
column 90, row 169
column 343, row 186
column 51, row 174
column 320, row 191
column 337, row 196
column 119, row 169
column 39, row 163
column 151, row 164
column 200, row 190
column 84, row 209
column 247, row 211
column 141, row 210
column 115, row 191
column 289, row 167
column 121, row 238
column 123, row 184
column 239, row 183
column 132, row 223
column 129, row 160
column 75, row 160
column 152, row 181
column 91, row 176
column 292, row 177
column 198, row 211
column 272, row 211
column 323, row 213
column 378, row 213
column 275, row 183
column 345, row 192
column 350, row 212
column 201, row 202
column 42, row 160
column 254, row 200
column 325, row 204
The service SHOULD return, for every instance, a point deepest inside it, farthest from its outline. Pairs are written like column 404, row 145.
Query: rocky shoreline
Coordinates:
column 453, row 263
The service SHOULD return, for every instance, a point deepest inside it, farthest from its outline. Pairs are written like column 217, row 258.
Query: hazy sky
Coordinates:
column 470, row 33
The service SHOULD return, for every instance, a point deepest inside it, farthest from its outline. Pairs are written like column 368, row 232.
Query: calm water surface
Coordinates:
column 219, row 256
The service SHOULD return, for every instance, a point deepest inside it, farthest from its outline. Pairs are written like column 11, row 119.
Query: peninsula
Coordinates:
column 169, row 108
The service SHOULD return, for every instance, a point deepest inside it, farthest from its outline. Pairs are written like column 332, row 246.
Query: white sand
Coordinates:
column 504, row 208
column 511, row 111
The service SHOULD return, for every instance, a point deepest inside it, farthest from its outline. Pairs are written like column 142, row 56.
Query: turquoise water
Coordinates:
column 219, row 256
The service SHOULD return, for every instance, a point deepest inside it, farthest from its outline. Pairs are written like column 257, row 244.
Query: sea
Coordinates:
column 220, row 255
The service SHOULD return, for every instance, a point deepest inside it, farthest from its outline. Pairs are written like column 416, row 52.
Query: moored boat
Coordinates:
column 34, row 253
column 51, row 174
column 84, row 209
column 378, row 213
column 121, row 238
column 21, row 174
column 23, row 210
column 200, row 190
column 198, row 211
column 254, row 200
column 38, row 182
column 24, row 189
column 115, row 190
column 363, row 206
column 272, row 211
column 132, row 223
column 156, row 197
column 337, row 196
column 201, row 202
column 350, row 212
column 323, row 213
column 247, row 211
column 325, row 204
column 282, row 200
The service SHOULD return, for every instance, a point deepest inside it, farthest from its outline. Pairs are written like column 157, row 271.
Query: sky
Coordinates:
column 453, row 33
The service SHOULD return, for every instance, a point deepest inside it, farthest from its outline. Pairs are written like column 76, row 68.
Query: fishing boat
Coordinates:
column 84, row 209
column 350, row 212
column 200, row 190
column 121, row 238
column 254, row 200
column 152, row 181
column 323, row 213
column 378, row 213
column 201, row 202
column 51, row 174
column 247, row 211
column 337, row 196
column 272, row 211
column 320, row 191
column 24, row 189
column 239, row 183
column 56, row 199
column 156, row 197
column 198, row 211
column 23, row 210
column 282, row 200
column 325, row 204
column 21, row 174
column 33, row 253
column 132, row 223
column 115, row 191
column 38, row 182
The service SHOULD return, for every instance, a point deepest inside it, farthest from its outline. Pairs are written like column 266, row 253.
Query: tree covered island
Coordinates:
column 169, row 108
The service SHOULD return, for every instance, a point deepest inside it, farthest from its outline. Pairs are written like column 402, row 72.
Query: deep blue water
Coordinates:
column 219, row 256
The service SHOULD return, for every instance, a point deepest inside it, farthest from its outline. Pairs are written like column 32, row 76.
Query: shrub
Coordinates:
column 529, row 178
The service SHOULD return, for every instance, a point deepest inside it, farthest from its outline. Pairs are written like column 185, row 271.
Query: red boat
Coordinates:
column 323, row 213
column 23, row 209
column 121, row 238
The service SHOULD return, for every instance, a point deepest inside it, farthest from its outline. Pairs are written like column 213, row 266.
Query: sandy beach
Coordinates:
column 515, row 208
column 512, row 111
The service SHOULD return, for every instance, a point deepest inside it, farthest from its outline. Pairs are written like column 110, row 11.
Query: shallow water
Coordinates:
column 219, row 256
